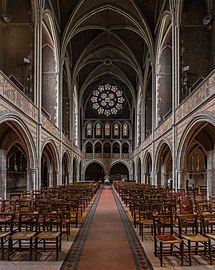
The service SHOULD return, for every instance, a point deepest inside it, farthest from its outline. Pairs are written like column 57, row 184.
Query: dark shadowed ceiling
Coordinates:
column 108, row 41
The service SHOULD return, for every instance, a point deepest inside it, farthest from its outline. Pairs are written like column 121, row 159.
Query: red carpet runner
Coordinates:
column 106, row 239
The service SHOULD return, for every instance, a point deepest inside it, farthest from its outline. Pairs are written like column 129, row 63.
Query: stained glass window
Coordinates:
column 98, row 129
column 107, row 99
column 116, row 130
column 107, row 129
column 125, row 130
column 89, row 130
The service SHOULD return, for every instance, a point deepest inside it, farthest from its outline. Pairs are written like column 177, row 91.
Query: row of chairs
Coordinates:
column 179, row 222
column 30, row 234
column 182, row 235
column 36, row 222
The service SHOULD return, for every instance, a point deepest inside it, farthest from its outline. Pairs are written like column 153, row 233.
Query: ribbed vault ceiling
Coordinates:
column 108, row 40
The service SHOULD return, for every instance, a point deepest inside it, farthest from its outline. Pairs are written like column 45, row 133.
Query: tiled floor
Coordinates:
column 47, row 260
column 171, row 262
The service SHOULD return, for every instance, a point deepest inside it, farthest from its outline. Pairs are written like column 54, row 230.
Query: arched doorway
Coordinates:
column 44, row 172
column 119, row 172
column 17, row 157
column 16, row 169
column 75, row 164
column 49, row 166
column 164, row 166
column 94, row 172
column 148, row 169
column 133, row 170
column 139, row 170
column 65, row 169
column 197, row 159
column 80, row 170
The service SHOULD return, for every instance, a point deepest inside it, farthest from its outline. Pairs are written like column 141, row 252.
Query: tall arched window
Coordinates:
column 89, row 130
column 116, row 130
column 98, row 130
column 107, row 129
column 125, row 130
column 139, row 122
column 75, row 117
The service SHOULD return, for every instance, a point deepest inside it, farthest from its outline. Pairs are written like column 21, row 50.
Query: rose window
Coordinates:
column 107, row 99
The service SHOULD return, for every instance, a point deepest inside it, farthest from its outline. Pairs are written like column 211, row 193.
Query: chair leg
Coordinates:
column 44, row 245
column 57, row 247
column 161, row 253
column 182, row 252
column 30, row 249
column 189, row 250
column 171, row 249
column 2, row 248
column 210, row 251
column 155, row 247
column 36, row 247
column 135, row 220
column 152, row 230
column 76, row 220
column 10, row 243
column 196, row 248
column 20, row 245
column 60, row 239
column 141, row 230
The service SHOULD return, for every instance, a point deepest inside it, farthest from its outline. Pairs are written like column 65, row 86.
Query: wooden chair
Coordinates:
column 186, row 206
column 208, row 228
column 212, row 203
column 6, row 229
column 26, row 205
column 51, row 236
column 75, row 213
column 65, row 209
column 9, row 206
column 189, row 233
column 25, row 236
column 165, row 241
column 146, row 211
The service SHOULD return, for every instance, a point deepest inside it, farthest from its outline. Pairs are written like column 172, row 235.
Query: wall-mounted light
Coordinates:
column 27, row 61
column 6, row 18
column 186, row 68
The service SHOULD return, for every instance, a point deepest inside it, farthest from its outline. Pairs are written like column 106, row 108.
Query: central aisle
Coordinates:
column 106, row 239
column 106, row 246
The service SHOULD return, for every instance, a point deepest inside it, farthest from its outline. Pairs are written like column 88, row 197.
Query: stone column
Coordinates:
column 3, row 173
column 50, row 179
column 58, row 176
column 38, row 87
column 180, row 179
column 175, row 87
column 210, row 173
column 82, row 177
column 144, row 178
column 155, row 178
column 154, row 117
column 32, row 184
